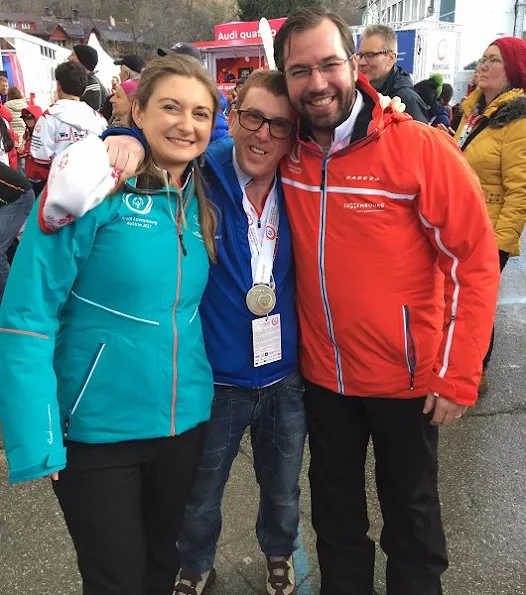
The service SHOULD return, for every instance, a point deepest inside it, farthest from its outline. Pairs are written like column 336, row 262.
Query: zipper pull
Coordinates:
column 412, row 385
column 259, row 223
column 182, row 244
column 181, row 241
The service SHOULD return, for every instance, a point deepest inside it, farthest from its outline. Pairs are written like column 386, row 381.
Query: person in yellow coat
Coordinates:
column 492, row 135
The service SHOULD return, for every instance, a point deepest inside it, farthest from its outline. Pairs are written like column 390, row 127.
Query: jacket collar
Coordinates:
column 471, row 101
column 370, row 118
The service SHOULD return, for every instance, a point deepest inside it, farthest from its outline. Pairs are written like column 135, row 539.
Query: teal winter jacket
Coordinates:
column 100, row 333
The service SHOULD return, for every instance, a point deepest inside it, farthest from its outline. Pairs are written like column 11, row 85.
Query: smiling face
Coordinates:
column 324, row 102
column 492, row 75
column 121, row 104
column 257, row 152
column 177, row 121
column 379, row 66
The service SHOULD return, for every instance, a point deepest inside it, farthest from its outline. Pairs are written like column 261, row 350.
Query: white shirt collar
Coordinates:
column 343, row 133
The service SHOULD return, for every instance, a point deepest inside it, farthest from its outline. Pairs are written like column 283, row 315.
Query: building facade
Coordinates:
column 478, row 25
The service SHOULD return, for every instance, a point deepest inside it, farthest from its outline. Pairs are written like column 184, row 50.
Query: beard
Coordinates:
column 329, row 121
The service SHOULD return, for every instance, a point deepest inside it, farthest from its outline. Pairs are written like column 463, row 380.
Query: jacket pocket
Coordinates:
column 409, row 346
column 89, row 376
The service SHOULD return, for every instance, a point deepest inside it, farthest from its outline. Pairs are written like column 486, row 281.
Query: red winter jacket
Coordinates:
column 396, row 262
column 12, row 155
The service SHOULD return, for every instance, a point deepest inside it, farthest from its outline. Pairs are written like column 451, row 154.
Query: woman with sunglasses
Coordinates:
column 492, row 135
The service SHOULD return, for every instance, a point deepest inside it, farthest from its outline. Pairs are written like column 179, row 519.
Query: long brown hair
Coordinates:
column 189, row 67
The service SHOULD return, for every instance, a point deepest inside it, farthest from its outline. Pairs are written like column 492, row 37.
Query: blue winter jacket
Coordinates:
column 100, row 332
column 221, row 125
column 227, row 322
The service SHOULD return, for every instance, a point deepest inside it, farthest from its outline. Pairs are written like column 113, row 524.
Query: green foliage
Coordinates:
column 253, row 10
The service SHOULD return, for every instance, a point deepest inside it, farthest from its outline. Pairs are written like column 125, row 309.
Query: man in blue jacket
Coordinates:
column 250, row 329
column 253, row 353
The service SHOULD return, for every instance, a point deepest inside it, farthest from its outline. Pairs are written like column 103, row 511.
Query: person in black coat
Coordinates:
column 377, row 60
column 95, row 94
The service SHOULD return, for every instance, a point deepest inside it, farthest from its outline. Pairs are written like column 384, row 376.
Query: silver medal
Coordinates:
column 261, row 300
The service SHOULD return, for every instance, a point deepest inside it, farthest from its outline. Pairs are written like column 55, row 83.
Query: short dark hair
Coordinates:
column 447, row 93
column 272, row 81
column 308, row 18
column 72, row 77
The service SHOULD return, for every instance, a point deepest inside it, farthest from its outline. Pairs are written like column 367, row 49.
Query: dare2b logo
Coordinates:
column 137, row 203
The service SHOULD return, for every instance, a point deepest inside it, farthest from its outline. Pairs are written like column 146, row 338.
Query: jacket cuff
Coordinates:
column 133, row 132
column 54, row 462
column 451, row 391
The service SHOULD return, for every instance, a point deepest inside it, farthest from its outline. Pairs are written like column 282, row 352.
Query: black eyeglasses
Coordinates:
column 278, row 127
column 372, row 55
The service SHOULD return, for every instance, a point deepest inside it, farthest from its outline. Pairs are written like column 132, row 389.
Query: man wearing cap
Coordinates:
column 95, row 94
column 131, row 67
column 187, row 49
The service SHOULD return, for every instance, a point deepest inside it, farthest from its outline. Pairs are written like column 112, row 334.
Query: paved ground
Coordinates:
column 483, row 486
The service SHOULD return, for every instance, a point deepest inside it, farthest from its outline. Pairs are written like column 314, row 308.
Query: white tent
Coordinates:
column 105, row 68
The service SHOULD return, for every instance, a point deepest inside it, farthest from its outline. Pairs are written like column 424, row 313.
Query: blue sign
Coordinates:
column 406, row 49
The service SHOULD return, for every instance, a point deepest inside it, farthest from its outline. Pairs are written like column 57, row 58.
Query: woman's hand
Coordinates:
column 445, row 129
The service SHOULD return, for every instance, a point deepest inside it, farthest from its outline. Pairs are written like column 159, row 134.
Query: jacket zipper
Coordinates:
column 410, row 347
column 180, row 253
column 76, row 404
column 323, row 285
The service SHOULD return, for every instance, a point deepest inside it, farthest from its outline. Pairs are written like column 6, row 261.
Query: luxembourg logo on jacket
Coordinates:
column 138, row 204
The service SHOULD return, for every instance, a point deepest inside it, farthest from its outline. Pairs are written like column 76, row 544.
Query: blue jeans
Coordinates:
column 278, row 427
column 12, row 217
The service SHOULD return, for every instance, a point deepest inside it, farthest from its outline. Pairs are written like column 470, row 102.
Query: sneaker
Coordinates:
column 194, row 584
column 281, row 579
column 484, row 383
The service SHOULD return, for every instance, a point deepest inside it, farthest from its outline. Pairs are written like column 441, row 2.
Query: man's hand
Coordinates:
column 445, row 411
column 126, row 155
column 54, row 477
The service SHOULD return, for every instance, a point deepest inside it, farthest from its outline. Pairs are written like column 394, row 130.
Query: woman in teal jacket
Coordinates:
column 105, row 385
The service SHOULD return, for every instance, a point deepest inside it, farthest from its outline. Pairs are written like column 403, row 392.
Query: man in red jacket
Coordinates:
column 397, row 277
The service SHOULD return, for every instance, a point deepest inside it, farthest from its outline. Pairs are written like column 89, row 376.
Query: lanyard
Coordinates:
column 471, row 121
column 262, row 240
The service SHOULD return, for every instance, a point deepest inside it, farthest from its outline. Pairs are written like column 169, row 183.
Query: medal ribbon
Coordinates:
column 262, row 241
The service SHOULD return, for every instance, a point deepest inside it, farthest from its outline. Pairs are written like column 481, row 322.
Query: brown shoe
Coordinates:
column 281, row 579
column 484, row 383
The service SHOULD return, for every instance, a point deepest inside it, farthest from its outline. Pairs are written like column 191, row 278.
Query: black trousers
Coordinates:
column 405, row 447
column 124, row 505
column 503, row 257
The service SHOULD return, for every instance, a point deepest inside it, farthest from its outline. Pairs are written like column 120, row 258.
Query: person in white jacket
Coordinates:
column 68, row 120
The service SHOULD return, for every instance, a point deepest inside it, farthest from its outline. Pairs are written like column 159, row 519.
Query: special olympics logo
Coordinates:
column 442, row 49
column 270, row 232
column 275, row 321
column 138, row 204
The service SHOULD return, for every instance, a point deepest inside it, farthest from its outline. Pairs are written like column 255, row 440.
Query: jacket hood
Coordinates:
column 513, row 110
column 16, row 104
column 75, row 113
column 468, row 105
column 34, row 110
